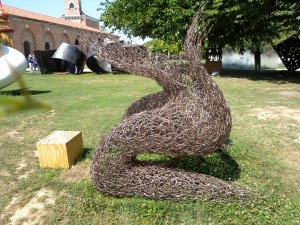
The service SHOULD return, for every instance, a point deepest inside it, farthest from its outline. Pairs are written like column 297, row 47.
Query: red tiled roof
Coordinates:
column 40, row 17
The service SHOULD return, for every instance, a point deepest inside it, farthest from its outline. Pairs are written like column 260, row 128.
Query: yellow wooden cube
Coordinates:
column 60, row 149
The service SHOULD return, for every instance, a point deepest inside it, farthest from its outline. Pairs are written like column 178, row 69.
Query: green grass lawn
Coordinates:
column 264, row 155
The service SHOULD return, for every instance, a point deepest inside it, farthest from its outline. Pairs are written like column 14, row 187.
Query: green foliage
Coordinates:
column 166, row 20
column 160, row 46
column 235, row 22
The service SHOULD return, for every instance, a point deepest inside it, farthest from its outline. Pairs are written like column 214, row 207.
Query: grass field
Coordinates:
column 264, row 154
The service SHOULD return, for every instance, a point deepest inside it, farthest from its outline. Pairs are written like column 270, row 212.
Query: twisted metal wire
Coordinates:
column 188, row 118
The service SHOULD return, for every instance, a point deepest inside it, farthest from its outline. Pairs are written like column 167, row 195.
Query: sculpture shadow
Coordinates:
column 87, row 154
column 273, row 76
column 220, row 165
column 19, row 92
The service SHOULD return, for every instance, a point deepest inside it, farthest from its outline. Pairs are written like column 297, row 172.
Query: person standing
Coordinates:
column 30, row 62
column 34, row 61
column 257, row 59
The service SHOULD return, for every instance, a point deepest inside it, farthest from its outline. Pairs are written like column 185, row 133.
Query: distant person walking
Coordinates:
column 257, row 60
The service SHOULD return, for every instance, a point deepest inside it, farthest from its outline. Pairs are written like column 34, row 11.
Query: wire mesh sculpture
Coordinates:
column 188, row 118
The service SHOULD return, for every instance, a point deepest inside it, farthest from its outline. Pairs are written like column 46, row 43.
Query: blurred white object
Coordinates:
column 13, row 64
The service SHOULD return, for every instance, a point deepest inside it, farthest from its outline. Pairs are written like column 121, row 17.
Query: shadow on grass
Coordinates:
column 220, row 165
column 19, row 92
column 87, row 154
column 273, row 76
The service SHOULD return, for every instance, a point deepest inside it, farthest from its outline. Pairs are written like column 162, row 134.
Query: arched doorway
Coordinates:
column 47, row 46
column 77, row 42
column 28, row 41
column 27, row 48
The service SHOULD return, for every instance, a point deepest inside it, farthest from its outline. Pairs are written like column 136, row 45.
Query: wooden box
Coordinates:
column 60, row 149
column 213, row 66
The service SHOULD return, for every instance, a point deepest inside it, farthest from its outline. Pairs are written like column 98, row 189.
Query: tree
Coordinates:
column 234, row 22
column 160, row 46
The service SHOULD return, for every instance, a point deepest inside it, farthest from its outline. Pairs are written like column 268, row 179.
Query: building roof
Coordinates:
column 4, row 28
column 44, row 18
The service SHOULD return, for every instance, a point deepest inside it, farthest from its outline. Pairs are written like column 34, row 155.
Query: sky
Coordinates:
column 55, row 8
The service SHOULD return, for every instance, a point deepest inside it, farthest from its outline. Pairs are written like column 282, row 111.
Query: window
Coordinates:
column 71, row 6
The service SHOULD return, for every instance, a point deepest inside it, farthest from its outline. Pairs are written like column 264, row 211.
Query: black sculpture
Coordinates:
column 74, row 58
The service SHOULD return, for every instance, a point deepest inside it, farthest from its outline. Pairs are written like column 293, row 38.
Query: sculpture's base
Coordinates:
column 60, row 149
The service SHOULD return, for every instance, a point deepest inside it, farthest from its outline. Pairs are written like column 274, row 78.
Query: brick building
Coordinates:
column 33, row 31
